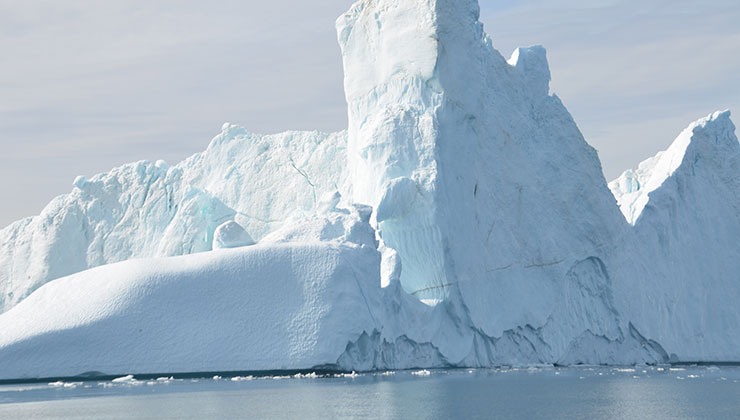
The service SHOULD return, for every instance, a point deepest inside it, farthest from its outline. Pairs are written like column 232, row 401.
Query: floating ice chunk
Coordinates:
column 312, row 375
column 351, row 375
column 242, row 378
column 122, row 379
column 231, row 235
column 423, row 372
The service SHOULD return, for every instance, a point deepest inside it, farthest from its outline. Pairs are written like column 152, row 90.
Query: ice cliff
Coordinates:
column 460, row 220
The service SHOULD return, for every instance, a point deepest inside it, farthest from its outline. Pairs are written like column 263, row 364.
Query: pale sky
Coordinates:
column 89, row 85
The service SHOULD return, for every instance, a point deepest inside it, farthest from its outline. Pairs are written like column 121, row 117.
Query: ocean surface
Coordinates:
column 669, row 392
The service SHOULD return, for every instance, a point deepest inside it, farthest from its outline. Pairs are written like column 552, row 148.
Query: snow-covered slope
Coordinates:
column 260, row 307
column 461, row 220
column 145, row 210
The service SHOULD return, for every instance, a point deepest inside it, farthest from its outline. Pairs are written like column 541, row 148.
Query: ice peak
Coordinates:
column 709, row 137
column 532, row 63
column 717, row 126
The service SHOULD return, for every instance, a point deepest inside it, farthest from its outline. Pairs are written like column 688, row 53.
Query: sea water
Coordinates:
column 668, row 392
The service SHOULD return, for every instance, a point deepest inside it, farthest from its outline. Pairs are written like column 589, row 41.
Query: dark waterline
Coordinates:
column 698, row 392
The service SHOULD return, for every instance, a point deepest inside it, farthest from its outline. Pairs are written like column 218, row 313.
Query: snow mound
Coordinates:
column 231, row 235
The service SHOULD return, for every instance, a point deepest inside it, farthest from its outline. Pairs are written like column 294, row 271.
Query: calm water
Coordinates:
column 544, row 393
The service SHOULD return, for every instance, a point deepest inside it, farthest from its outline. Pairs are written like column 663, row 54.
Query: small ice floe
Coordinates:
column 422, row 372
column 216, row 378
column 57, row 384
column 311, row 375
column 676, row 369
column 347, row 375
column 124, row 379
column 165, row 379
column 388, row 373
column 625, row 370
column 693, row 376
column 242, row 378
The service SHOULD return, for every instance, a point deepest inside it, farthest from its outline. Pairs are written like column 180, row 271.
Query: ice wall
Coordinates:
column 392, row 135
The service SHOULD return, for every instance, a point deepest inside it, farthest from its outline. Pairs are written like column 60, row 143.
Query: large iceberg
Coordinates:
column 460, row 220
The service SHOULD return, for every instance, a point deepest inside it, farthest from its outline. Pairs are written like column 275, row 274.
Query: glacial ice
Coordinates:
column 461, row 220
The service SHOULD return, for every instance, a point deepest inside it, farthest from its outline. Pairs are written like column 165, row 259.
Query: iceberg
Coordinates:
column 461, row 220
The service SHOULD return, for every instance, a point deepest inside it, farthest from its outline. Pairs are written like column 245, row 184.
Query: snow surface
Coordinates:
column 258, row 307
column 461, row 220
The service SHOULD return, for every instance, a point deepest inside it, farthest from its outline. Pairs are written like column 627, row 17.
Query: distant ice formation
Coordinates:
column 460, row 220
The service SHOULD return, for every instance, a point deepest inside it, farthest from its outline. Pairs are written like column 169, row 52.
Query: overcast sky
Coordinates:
column 89, row 85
